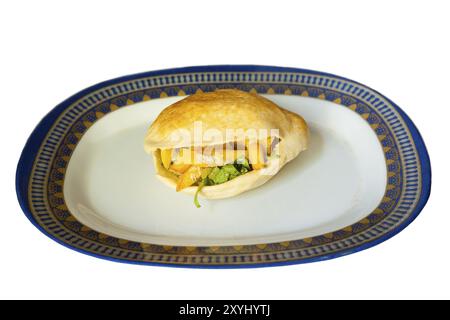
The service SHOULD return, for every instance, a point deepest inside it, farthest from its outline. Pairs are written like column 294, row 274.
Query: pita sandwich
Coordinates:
column 222, row 143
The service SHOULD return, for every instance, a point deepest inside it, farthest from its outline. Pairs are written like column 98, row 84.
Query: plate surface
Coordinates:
column 85, row 181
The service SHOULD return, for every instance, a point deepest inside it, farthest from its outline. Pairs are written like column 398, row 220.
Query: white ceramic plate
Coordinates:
column 99, row 186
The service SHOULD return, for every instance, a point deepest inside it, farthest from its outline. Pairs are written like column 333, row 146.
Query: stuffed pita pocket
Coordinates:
column 222, row 143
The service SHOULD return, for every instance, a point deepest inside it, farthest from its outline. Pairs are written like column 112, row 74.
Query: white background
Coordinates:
column 52, row 49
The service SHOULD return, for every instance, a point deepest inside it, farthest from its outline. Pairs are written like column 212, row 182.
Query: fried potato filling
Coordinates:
column 213, row 165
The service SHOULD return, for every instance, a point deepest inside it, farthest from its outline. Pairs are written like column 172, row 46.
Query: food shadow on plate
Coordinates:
column 304, row 160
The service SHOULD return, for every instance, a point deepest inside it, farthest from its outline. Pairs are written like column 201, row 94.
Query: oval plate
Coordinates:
column 366, row 176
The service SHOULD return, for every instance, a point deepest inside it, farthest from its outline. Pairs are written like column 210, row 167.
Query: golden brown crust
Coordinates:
column 219, row 110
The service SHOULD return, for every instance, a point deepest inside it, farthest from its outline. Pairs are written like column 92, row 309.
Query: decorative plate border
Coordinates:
column 41, row 169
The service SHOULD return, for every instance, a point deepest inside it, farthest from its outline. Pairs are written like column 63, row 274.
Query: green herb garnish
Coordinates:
column 200, row 187
column 242, row 165
column 219, row 175
column 231, row 170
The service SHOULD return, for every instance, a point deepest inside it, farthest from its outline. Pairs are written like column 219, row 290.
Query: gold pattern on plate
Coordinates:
column 223, row 251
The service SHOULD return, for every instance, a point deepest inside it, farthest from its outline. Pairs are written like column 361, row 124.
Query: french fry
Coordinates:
column 179, row 168
column 166, row 157
column 189, row 177
column 255, row 154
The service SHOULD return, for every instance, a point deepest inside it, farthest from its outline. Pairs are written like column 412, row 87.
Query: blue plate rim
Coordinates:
column 31, row 147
